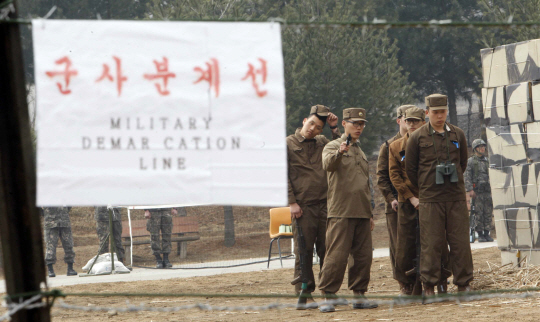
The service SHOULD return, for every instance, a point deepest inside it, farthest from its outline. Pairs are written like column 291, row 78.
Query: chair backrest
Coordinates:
column 279, row 216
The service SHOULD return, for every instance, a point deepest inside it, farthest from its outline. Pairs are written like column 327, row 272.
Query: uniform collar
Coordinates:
column 298, row 135
column 448, row 128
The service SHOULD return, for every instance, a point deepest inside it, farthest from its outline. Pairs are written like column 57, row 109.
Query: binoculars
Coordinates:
column 445, row 169
column 285, row 229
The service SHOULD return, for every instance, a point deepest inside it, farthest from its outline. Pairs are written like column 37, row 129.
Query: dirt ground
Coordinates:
column 277, row 282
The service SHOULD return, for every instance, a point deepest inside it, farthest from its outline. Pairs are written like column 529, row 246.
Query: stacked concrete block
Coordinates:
column 511, row 100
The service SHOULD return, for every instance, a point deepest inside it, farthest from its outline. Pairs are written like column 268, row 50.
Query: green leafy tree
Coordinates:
column 438, row 60
column 509, row 10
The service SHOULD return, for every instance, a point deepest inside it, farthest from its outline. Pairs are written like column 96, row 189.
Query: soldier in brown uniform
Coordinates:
column 436, row 159
column 308, row 187
column 349, row 225
column 408, row 212
column 389, row 192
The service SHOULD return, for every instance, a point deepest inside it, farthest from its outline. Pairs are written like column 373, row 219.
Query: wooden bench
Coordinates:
column 184, row 229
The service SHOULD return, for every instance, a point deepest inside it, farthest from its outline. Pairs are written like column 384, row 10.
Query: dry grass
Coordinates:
column 508, row 276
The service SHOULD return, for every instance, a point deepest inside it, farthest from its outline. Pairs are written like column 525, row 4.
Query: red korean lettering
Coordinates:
column 106, row 74
column 162, row 75
column 210, row 75
column 67, row 73
column 258, row 77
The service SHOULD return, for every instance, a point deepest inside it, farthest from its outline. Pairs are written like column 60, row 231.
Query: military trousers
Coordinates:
column 102, row 228
column 444, row 224
column 407, row 248
column 160, row 221
column 392, row 225
column 348, row 242
column 313, row 223
column 484, row 211
column 51, row 240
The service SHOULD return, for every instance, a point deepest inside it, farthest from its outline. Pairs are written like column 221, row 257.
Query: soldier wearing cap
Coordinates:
column 350, row 220
column 388, row 191
column 308, row 187
column 407, row 227
column 478, row 187
column 435, row 163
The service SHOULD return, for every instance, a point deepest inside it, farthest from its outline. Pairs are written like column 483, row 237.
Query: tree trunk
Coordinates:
column 229, row 226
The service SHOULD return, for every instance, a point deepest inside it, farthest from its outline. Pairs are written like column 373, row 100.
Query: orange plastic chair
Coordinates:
column 278, row 216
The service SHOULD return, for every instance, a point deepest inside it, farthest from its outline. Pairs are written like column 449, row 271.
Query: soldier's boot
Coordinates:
column 326, row 306
column 481, row 237
column 487, row 236
column 361, row 302
column 428, row 290
column 306, row 301
column 463, row 288
column 442, row 287
column 159, row 261
column 121, row 260
column 51, row 270
column 166, row 263
column 405, row 289
column 70, row 270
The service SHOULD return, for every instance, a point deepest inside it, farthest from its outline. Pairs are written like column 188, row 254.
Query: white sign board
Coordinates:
column 147, row 113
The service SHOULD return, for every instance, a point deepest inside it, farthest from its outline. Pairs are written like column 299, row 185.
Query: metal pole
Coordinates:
column 20, row 229
column 111, row 240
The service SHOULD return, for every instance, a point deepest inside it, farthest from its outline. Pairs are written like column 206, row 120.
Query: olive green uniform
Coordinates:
column 443, row 210
column 477, row 179
column 101, row 215
column 348, row 234
column 308, row 187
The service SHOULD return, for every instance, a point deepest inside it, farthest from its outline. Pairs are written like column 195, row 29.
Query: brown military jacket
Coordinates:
column 307, row 178
column 421, row 161
column 383, row 177
column 398, row 176
column 348, row 181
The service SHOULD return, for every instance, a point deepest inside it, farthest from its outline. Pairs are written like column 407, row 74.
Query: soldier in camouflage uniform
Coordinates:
column 479, row 189
column 101, row 215
column 160, row 219
column 57, row 226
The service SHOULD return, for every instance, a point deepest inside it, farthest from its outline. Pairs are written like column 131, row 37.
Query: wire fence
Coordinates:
column 35, row 301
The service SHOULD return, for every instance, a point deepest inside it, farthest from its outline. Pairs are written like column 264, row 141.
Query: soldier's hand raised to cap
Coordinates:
column 343, row 148
column 147, row 214
column 332, row 119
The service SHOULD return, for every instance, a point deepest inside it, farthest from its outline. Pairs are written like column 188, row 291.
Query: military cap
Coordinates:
column 401, row 110
column 354, row 114
column 437, row 102
column 415, row 113
column 320, row 110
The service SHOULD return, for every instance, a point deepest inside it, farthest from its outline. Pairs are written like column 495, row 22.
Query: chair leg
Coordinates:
column 279, row 247
column 270, row 252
